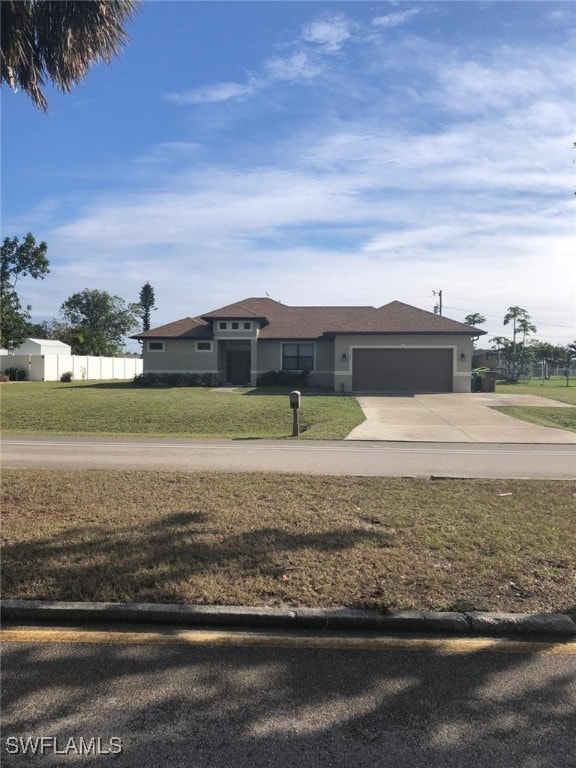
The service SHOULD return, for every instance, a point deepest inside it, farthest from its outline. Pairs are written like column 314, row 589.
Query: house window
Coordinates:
column 235, row 326
column 222, row 326
column 203, row 346
column 297, row 357
column 247, row 326
column 156, row 346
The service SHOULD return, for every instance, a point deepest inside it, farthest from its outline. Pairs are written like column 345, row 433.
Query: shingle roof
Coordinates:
column 186, row 328
column 284, row 322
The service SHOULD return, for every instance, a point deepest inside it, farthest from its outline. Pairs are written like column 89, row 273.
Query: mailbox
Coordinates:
column 295, row 399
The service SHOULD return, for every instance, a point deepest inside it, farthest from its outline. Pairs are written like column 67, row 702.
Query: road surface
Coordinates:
column 310, row 457
column 205, row 704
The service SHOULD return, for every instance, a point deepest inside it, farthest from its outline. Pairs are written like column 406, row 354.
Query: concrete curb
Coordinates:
column 475, row 623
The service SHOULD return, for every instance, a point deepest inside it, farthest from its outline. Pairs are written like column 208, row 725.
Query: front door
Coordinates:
column 238, row 366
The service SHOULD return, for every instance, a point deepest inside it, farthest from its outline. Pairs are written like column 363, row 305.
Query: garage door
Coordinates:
column 402, row 370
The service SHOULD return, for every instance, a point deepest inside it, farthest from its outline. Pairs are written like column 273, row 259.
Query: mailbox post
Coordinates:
column 295, row 405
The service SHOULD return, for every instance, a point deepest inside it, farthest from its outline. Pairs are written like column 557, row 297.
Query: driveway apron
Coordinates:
column 454, row 418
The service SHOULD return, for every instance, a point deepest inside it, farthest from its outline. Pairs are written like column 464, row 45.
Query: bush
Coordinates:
column 4, row 378
column 15, row 374
column 152, row 379
column 283, row 379
column 67, row 377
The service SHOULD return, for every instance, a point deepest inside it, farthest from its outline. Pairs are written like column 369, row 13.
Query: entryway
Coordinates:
column 238, row 366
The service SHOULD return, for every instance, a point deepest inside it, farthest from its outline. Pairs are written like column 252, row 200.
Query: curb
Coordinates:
column 477, row 623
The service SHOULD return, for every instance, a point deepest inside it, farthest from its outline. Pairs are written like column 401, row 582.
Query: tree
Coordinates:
column 58, row 41
column 520, row 320
column 95, row 323
column 474, row 319
column 146, row 304
column 18, row 260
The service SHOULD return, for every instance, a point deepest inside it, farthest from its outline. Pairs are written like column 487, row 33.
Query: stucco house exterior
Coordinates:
column 393, row 348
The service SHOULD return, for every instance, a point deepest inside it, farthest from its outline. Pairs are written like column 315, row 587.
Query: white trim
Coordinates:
column 211, row 349
column 151, row 341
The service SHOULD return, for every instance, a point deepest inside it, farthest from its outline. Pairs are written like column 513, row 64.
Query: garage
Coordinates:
column 421, row 369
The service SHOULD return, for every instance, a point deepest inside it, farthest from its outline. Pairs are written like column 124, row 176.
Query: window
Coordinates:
column 156, row 346
column 235, row 326
column 222, row 326
column 203, row 346
column 248, row 326
column 297, row 357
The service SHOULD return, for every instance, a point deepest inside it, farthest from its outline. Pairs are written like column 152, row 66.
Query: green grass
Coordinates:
column 554, row 389
column 113, row 408
column 287, row 540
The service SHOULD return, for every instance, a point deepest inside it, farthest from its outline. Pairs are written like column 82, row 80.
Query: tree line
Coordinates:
column 517, row 353
column 92, row 322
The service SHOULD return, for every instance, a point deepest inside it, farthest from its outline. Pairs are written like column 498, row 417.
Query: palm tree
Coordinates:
column 525, row 327
column 474, row 319
column 58, row 41
column 515, row 315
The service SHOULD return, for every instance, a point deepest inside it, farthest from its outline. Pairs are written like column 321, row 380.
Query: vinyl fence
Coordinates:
column 82, row 367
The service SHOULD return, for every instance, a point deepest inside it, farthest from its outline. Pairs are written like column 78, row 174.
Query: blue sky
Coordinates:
column 319, row 152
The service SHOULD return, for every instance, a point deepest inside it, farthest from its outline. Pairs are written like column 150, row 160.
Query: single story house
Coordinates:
column 393, row 348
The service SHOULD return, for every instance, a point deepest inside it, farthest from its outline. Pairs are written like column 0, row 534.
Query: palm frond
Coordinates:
column 58, row 41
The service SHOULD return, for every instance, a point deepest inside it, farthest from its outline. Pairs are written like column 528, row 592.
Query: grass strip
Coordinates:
column 289, row 540
column 560, row 418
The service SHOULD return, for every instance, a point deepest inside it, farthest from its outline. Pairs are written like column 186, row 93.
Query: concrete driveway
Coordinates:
column 454, row 418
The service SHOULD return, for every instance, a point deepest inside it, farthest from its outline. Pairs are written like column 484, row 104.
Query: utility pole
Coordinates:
column 438, row 307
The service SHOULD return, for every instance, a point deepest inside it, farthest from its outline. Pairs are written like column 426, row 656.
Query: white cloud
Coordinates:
column 396, row 19
column 329, row 32
column 214, row 93
column 299, row 66
column 319, row 40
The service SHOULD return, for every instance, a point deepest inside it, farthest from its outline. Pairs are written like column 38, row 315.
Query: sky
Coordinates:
column 321, row 153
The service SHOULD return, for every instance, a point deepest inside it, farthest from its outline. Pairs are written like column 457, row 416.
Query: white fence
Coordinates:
column 82, row 367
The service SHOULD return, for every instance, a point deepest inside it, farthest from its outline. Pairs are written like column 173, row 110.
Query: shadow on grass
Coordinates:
column 158, row 561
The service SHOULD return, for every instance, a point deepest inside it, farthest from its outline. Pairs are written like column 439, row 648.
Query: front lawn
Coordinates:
column 288, row 540
column 114, row 408
column 554, row 389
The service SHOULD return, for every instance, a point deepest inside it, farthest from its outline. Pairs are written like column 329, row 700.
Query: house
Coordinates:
column 393, row 348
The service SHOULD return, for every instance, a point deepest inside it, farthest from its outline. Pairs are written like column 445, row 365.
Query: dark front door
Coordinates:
column 238, row 366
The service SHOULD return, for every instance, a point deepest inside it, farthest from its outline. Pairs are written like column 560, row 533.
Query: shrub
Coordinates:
column 183, row 379
column 4, row 378
column 15, row 374
column 283, row 379
column 67, row 377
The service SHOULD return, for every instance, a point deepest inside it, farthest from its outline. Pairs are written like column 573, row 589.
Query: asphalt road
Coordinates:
column 320, row 457
column 250, row 706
